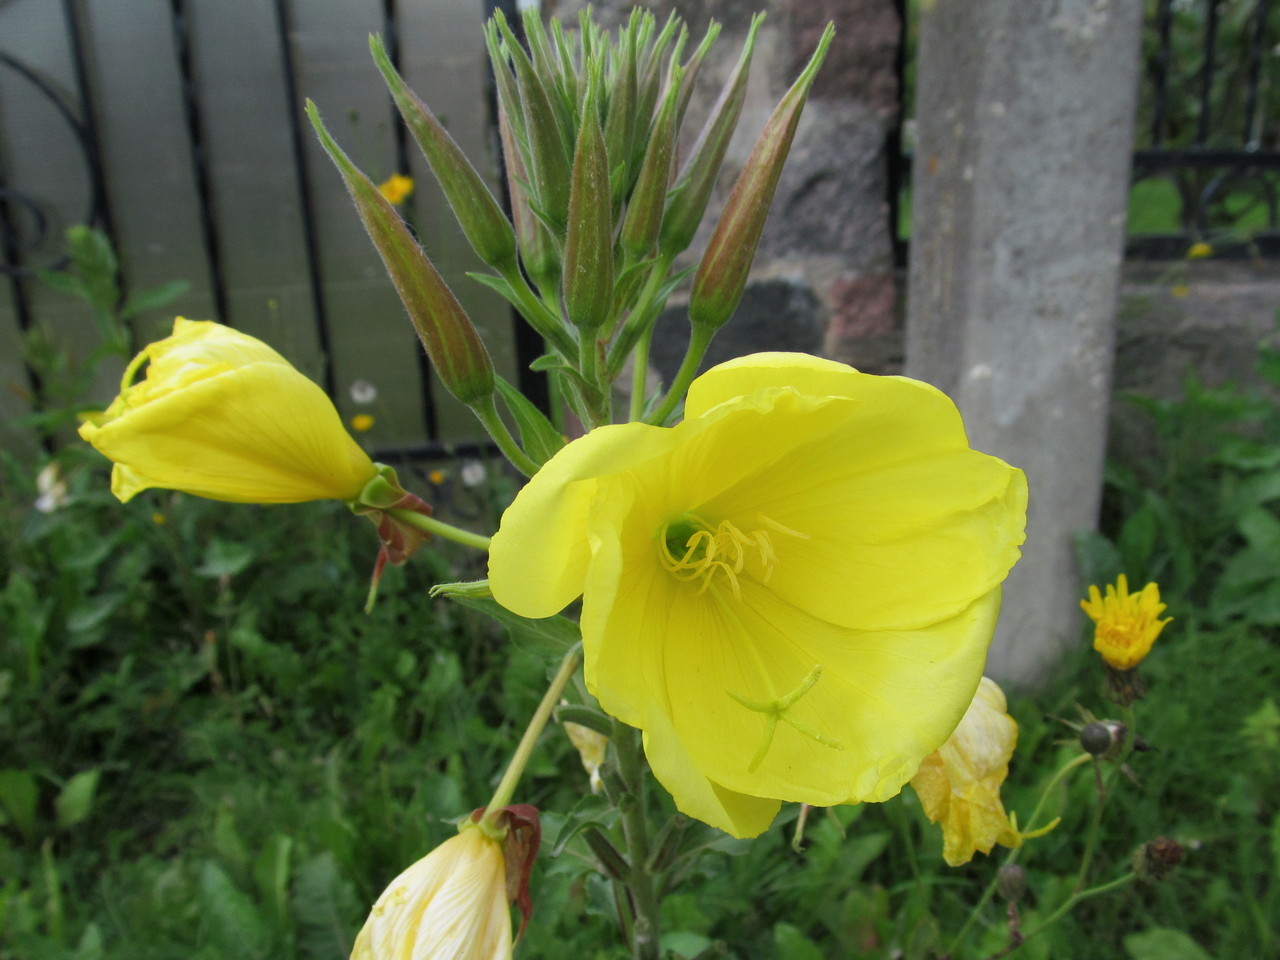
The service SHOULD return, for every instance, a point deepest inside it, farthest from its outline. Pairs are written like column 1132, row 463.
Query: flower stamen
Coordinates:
column 692, row 550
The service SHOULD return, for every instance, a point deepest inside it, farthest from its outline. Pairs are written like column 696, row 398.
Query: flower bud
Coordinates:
column 1157, row 859
column 722, row 272
column 692, row 189
column 644, row 211
column 537, row 248
column 1011, row 882
column 219, row 414
column 588, row 246
column 622, row 120
column 1104, row 739
column 478, row 213
column 458, row 355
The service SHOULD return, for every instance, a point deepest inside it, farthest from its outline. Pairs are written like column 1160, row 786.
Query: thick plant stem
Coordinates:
column 640, row 375
column 699, row 340
column 487, row 414
column 507, row 786
column 646, row 930
column 439, row 528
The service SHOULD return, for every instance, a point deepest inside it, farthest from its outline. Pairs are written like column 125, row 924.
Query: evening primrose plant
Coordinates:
column 771, row 583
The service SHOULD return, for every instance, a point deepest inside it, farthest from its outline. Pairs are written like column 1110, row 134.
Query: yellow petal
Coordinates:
column 260, row 433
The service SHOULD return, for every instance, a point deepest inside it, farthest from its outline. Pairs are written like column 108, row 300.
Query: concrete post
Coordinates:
column 1024, row 134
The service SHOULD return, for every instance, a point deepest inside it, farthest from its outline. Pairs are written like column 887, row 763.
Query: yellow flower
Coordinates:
column 1198, row 251
column 1180, row 290
column 362, row 422
column 959, row 785
column 396, row 188
column 791, row 592
column 222, row 415
column 1127, row 624
column 450, row 905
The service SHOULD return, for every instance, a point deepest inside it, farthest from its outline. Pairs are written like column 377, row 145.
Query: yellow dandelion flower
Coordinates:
column 221, row 415
column 436, row 477
column 1200, row 250
column 1127, row 624
column 396, row 188
column 791, row 592
column 362, row 422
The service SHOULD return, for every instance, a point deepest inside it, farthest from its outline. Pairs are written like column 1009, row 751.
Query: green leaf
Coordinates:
column 225, row 559
column 93, row 611
column 18, row 795
column 75, row 801
column 792, row 944
column 538, row 435
column 326, row 909
column 234, row 924
column 271, row 875
column 552, row 634
column 67, row 283
column 153, row 298
column 1164, row 943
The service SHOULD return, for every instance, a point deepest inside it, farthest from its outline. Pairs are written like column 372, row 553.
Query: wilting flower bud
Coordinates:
column 722, row 273
column 1157, row 859
column 1011, row 882
column 591, row 748
column 458, row 355
column 221, row 415
column 1104, row 739
column 588, row 246
column 478, row 213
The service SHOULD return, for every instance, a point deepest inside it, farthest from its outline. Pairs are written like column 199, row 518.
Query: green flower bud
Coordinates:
column 478, row 213
column 537, row 248
column 621, row 122
column 1103, row 738
column 722, row 273
column 588, row 247
column 1011, row 882
column 456, row 351
column 644, row 211
column 697, row 178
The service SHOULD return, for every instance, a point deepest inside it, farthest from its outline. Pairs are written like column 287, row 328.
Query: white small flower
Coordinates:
column 362, row 391
column 52, row 488
column 473, row 473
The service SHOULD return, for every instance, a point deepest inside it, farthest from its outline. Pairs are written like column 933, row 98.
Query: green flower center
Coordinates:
column 694, row 551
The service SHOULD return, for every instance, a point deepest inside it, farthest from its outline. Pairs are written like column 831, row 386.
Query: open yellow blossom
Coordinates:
column 222, row 415
column 396, row 188
column 959, row 785
column 1127, row 624
column 450, row 905
column 1199, row 250
column 791, row 592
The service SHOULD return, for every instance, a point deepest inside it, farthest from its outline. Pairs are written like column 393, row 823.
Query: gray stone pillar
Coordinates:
column 1024, row 133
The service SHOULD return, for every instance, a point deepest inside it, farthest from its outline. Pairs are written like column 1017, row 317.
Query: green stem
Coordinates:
column 507, row 786
column 646, row 931
column 1065, row 908
column 439, row 528
column 640, row 375
column 487, row 413
column 540, row 316
column 699, row 340
column 1091, row 836
column 641, row 317
column 1012, row 856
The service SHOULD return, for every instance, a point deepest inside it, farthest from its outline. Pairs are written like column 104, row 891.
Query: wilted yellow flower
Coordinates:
column 959, row 785
column 396, row 188
column 450, row 905
column 791, row 592
column 591, row 748
column 362, row 422
column 222, row 415
column 1127, row 623
column 1200, row 250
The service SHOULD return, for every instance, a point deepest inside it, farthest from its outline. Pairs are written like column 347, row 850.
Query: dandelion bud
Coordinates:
column 478, row 213
column 1011, row 882
column 458, row 355
column 722, row 273
column 1157, row 859
column 1104, row 739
